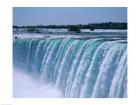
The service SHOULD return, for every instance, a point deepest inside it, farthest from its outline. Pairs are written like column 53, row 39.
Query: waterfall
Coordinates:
column 78, row 67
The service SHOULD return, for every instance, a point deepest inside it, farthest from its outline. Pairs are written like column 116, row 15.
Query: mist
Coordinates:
column 25, row 86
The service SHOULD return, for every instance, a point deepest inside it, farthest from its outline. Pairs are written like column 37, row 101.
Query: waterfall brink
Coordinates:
column 78, row 67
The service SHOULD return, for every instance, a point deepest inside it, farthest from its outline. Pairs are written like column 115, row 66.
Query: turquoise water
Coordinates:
column 78, row 67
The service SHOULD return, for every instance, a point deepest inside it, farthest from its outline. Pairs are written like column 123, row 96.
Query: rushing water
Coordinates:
column 77, row 67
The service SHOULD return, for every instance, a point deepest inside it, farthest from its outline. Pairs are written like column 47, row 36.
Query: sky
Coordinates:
column 67, row 15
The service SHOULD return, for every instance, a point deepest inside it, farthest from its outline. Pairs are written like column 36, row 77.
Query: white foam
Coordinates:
column 25, row 86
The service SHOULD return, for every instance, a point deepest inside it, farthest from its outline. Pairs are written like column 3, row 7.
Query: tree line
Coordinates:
column 76, row 28
column 92, row 26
